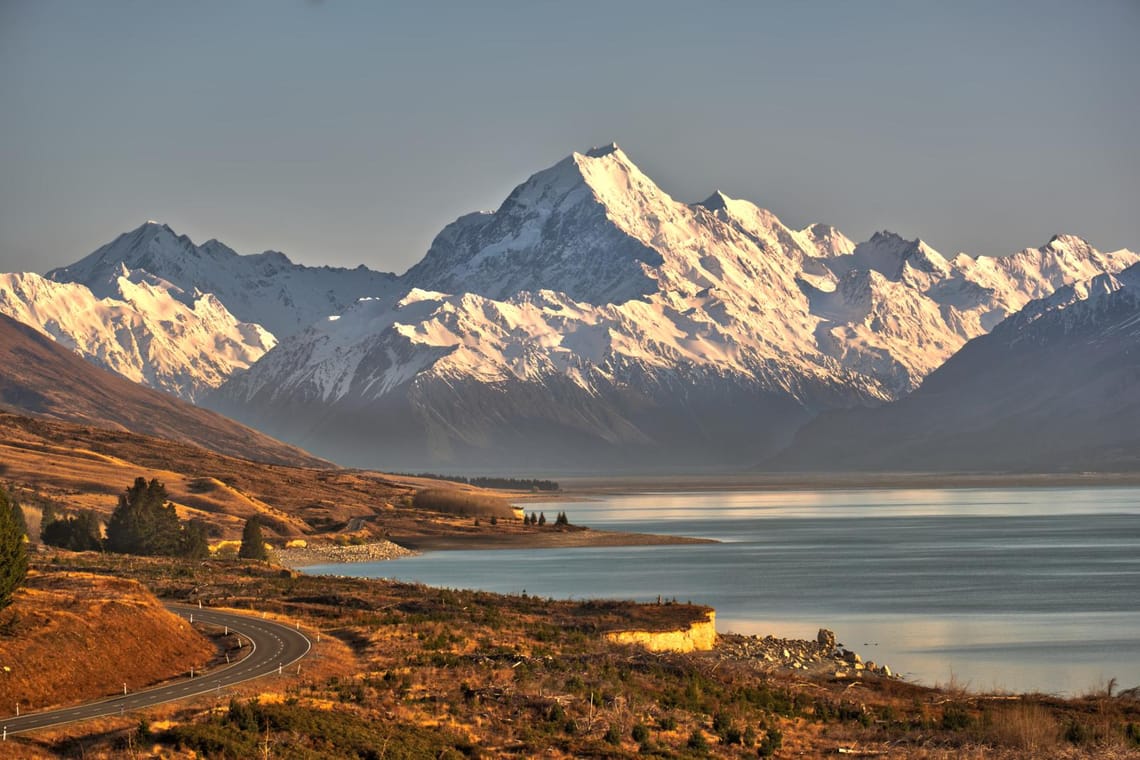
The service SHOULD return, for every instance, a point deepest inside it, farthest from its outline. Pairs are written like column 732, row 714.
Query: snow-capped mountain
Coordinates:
column 1051, row 388
column 265, row 288
column 594, row 321
column 142, row 328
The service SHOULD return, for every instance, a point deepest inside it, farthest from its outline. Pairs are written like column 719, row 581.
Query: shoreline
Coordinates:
column 580, row 538
column 401, row 546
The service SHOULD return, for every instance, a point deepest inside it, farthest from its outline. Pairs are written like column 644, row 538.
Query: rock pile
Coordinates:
column 322, row 554
column 822, row 656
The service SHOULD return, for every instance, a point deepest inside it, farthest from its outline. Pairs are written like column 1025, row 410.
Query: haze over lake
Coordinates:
column 1013, row 589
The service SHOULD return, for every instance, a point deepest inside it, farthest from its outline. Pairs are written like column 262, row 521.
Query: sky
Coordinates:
column 348, row 133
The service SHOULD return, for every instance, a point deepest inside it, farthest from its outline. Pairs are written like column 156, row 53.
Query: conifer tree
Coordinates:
column 48, row 515
column 13, row 550
column 542, row 518
column 252, row 544
column 194, row 544
column 18, row 516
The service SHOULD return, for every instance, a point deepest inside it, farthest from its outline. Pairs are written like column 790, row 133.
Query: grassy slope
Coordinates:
column 84, row 467
column 42, row 378
column 74, row 637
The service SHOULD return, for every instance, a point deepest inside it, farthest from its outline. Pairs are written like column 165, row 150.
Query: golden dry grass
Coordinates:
column 72, row 637
column 86, row 468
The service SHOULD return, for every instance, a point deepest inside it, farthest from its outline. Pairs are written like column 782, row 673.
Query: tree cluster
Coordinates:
column 539, row 519
column 481, row 481
column 78, row 532
column 146, row 523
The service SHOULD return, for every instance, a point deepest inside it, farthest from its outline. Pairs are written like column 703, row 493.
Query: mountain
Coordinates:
column 40, row 377
column 593, row 322
column 266, row 289
column 1052, row 388
column 142, row 328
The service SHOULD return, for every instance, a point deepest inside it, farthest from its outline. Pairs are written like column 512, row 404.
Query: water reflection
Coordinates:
column 1023, row 589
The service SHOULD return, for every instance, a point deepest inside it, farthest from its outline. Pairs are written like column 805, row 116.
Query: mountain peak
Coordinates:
column 603, row 150
column 1067, row 241
column 715, row 202
column 887, row 237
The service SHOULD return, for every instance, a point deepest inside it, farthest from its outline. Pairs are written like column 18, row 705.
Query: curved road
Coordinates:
column 275, row 646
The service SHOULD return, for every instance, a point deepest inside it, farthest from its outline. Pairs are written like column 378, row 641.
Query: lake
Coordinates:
column 1015, row 589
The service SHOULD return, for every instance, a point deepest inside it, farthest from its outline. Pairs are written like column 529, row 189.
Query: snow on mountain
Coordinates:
column 142, row 328
column 1051, row 389
column 265, row 288
column 594, row 321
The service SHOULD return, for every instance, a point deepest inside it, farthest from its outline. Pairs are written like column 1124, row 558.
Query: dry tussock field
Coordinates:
column 71, row 637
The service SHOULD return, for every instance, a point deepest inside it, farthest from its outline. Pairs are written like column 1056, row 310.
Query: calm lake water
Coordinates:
column 999, row 589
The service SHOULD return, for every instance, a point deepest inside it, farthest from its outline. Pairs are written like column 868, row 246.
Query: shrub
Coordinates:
column 955, row 718
column 772, row 742
column 463, row 503
column 1078, row 733
column 697, row 741
column 1025, row 727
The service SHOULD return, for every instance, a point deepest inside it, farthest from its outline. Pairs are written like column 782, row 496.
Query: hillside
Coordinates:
column 80, row 467
column 75, row 637
column 42, row 378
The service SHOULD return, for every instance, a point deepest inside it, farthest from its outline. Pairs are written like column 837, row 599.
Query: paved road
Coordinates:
column 275, row 647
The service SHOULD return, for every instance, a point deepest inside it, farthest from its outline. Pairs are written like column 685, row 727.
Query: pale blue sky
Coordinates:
column 348, row 132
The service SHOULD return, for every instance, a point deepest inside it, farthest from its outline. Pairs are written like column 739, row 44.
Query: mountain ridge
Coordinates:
column 44, row 379
column 266, row 288
column 1052, row 388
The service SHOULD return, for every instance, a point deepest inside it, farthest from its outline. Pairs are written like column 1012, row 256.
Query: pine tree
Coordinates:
column 48, row 515
column 13, row 551
column 21, row 520
column 194, row 544
column 542, row 518
column 252, row 544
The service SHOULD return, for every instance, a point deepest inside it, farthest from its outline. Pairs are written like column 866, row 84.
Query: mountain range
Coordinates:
column 591, row 322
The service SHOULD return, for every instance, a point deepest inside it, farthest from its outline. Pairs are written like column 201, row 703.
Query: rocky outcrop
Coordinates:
column 820, row 657
column 699, row 637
